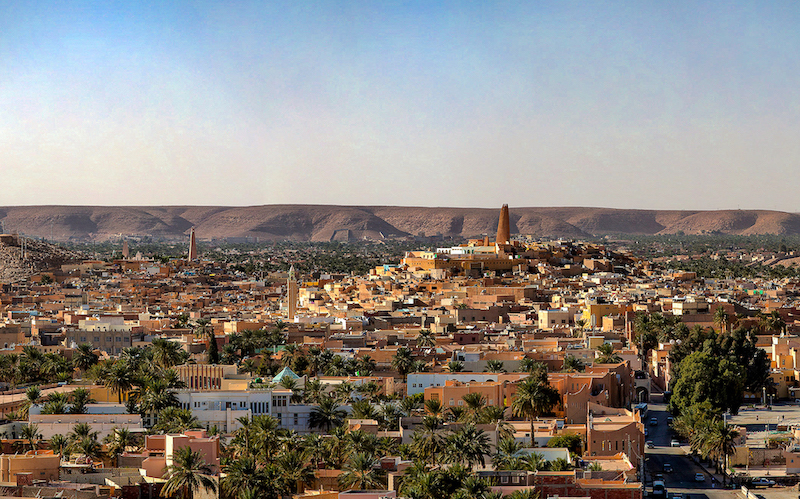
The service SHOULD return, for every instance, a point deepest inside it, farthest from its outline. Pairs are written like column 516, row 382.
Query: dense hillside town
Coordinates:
column 490, row 368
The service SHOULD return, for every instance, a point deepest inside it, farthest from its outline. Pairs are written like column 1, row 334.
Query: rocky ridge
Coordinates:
column 326, row 222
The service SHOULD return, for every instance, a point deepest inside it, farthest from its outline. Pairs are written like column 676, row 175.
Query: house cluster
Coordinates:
column 473, row 319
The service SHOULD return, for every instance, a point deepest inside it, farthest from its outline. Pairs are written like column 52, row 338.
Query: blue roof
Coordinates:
column 285, row 373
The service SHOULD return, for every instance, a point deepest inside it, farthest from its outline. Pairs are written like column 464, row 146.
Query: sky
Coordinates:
column 645, row 104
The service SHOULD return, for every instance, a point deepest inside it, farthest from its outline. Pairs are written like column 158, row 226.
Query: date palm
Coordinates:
column 534, row 399
column 326, row 415
column 30, row 432
column 80, row 398
column 119, row 378
column 361, row 472
column 119, row 441
column 84, row 357
column 59, row 444
column 495, row 366
column 187, row 475
column 425, row 339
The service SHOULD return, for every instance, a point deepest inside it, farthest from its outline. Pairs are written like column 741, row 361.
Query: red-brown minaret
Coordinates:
column 192, row 246
column 503, row 227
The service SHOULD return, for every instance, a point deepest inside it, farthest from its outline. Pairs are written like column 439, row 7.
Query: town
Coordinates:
column 494, row 367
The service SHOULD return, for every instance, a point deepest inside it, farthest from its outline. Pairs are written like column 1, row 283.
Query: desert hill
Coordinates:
column 326, row 223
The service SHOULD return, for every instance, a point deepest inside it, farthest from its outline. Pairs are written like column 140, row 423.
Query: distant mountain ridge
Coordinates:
column 329, row 222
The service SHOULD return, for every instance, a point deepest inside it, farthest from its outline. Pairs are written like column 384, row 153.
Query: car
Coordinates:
column 674, row 443
column 762, row 482
column 699, row 477
column 677, row 495
column 649, row 444
column 653, row 421
column 669, row 420
column 659, row 476
column 667, row 468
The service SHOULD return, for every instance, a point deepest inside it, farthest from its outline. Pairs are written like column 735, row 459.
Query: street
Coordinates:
column 682, row 477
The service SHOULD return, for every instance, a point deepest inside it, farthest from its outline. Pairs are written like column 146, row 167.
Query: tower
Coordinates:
column 291, row 295
column 192, row 246
column 503, row 227
column 125, row 250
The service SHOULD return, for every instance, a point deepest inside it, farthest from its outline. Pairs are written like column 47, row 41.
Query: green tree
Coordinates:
column 403, row 361
column 119, row 441
column 203, row 328
column 534, row 399
column 361, row 472
column 455, row 366
column 495, row 366
column 187, row 475
column 606, row 354
column 326, row 415
column 426, row 339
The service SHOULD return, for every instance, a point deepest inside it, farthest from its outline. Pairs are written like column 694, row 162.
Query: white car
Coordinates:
column 763, row 482
column 699, row 477
column 674, row 443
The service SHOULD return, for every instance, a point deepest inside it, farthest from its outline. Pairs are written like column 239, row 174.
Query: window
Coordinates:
column 295, row 419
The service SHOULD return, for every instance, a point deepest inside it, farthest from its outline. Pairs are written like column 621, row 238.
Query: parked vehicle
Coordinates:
column 699, row 477
column 762, row 482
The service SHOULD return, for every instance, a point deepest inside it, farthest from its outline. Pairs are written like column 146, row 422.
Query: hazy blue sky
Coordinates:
column 681, row 105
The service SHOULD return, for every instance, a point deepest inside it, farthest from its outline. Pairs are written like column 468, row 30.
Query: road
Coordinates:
column 682, row 477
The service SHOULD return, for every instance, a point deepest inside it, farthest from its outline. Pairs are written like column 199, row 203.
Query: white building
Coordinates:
column 222, row 408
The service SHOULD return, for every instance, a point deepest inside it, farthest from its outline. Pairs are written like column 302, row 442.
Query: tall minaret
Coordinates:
column 125, row 251
column 291, row 295
column 192, row 246
column 503, row 227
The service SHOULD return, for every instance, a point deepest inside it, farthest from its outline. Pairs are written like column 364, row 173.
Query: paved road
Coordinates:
column 682, row 477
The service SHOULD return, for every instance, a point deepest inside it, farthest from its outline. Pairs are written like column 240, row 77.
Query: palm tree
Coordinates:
column 296, row 468
column 607, row 354
column 84, row 357
column 119, row 378
column 572, row 363
column 534, row 399
column 434, row 408
column 118, row 442
column 719, row 443
column 425, row 339
column 176, row 420
column 80, row 431
column 202, row 329
column 366, row 365
column 475, row 402
column 428, row 440
column 30, row 432
column 59, row 444
column 494, row 366
column 721, row 318
column 403, row 361
column 530, row 493
column 455, row 366
column 468, row 445
column 167, row 353
column 80, row 398
column 362, row 409
column 242, row 475
column 188, row 474
column 361, row 472
column 326, row 415
column 32, row 396
column 87, row 446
